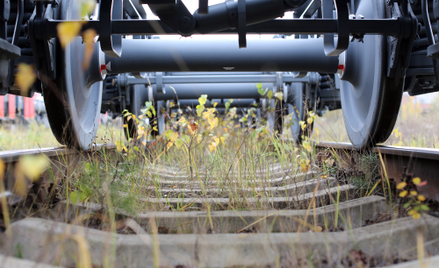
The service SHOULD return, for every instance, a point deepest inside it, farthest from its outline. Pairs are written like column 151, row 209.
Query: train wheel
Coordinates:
column 138, row 97
column 73, row 105
column 370, row 100
column 297, row 110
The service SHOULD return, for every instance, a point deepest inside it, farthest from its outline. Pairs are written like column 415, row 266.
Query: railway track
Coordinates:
column 286, row 218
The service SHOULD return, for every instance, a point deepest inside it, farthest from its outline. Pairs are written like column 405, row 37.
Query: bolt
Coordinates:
column 185, row 22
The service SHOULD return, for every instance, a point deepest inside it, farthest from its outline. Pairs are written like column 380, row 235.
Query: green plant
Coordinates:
column 414, row 202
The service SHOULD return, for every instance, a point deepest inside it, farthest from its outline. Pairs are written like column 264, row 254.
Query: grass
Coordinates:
column 416, row 126
column 206, row 158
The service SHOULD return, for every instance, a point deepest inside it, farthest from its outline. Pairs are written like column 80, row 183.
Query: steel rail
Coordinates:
column 400, row 162
column 9, row 157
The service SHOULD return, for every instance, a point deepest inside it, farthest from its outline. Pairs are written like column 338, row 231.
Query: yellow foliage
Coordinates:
column 199, row 138
column 279, row 95
column 120, row 145
column 401, row 185
column 211, row 147
column 403, row 194
column 87, row 7
column 67, row 31
column 25, row 78
column 305, row 165
column 307, row 146
column 88, row 36
column 223, row 139
column 169, row 145
column 213, row 123
column 414, row 214
column 416, row 180
column 28, row 167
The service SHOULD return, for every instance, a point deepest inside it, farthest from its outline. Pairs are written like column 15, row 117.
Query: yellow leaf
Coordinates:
column 125, row 125
column 33, row 166
column 324, row 176
column 88, row 38
column 87, row 7
column 223, row 139
column 119, row 146
column 211, row 147
column 309, row 120
column 25, row 78
column 202, row 100
column 215, row 104
column 401, row 185
column 416, row 180
column 192, row 127
column 411, row 212
column 213, row 123
column 199, row 138
column 217, row 140
column 178, row 143
column 307, row 146
column 305, row 168
column 421, row 198
column 175, row 186
column 413, row 193
column 67, row 31
column 169, row 145
column 318, row 229
column 173, row 136
column 416, row 216
column 279, row 95
column 155, row 128
column 403, row 194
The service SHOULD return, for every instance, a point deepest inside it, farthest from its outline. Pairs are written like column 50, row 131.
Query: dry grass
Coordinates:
column 417, row 125
column 242, row 170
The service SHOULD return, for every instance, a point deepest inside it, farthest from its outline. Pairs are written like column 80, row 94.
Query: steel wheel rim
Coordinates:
column 362, row 97
column 82, row 102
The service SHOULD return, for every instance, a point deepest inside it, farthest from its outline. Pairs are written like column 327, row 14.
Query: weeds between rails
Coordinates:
column 210, row 157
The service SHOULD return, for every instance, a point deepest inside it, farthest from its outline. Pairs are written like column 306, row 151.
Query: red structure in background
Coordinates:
column 2, row 106
column 11, row 106
column 29, row 108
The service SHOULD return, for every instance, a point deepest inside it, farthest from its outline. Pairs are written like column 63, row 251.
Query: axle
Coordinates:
column 213, row 91
column 238, row 103
column 219, row 55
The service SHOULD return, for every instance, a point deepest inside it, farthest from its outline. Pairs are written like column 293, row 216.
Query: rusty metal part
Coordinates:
column 401, row 162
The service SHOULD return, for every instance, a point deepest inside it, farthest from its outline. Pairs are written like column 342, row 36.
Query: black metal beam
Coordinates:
column 293, row 26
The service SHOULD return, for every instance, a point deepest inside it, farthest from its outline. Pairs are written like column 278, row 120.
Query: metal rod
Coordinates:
column 239, row 103
column 222, row 55
column 213, row 91
column 218, row 78
column 293, row 26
